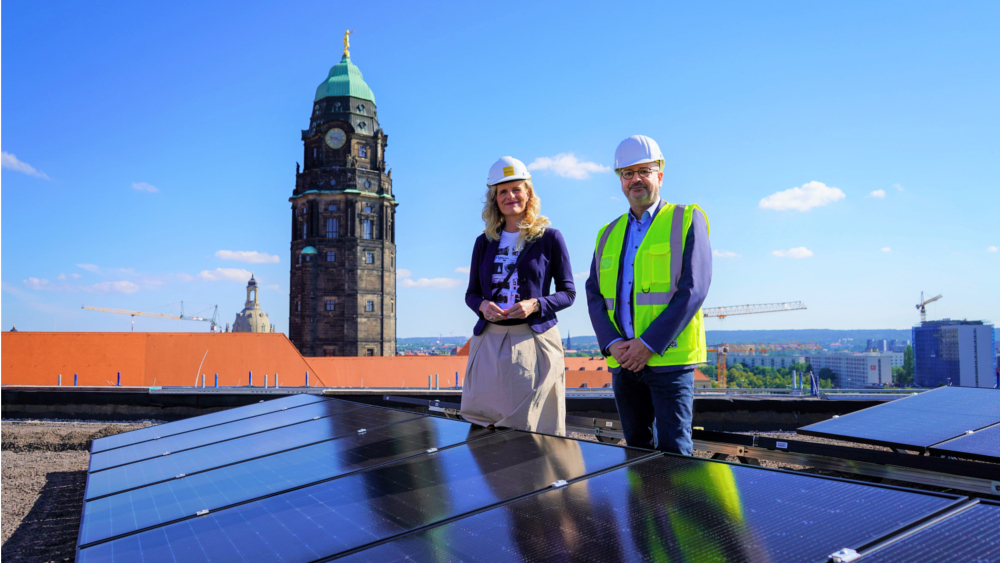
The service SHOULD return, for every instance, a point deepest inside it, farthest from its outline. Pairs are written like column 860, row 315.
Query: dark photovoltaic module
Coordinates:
column 339, row 479
column 916, row 422
column 969, row 535
column 983, row 445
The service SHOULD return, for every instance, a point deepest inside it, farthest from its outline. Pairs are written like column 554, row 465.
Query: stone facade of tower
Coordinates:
column 342, row 299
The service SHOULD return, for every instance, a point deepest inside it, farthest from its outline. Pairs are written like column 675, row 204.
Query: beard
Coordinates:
column 650, row 194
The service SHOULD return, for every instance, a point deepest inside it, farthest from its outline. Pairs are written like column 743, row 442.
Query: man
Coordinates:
column 651, row 271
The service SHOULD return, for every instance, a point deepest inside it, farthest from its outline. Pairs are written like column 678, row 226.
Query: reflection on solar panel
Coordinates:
column 673, row 509
column 175, row 499
column 325, row 519
column 203, row 421
column 970, row 535
column 983, row 445
column 916, row 422
column 222, row 432
column 162, row 468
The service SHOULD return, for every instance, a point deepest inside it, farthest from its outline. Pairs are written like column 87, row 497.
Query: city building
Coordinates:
column 252, row 318
column 952, row 352
column 856, row 371
column 754, row 360
column 898, row 345
column 877, row 346
column 342, row 289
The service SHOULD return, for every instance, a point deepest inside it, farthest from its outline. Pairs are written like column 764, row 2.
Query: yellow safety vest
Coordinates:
column 657, row 270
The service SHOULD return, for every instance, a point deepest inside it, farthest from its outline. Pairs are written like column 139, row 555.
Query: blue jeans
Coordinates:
column 656, row 409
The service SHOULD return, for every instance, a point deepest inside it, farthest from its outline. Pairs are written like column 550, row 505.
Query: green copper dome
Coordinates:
column 345, row 80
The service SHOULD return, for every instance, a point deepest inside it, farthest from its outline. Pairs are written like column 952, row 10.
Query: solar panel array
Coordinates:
column 919, row 421
column 307, row 480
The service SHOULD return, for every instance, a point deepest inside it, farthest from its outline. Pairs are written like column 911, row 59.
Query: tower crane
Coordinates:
column 723, row 312
column 214, row 321
column 922, row 306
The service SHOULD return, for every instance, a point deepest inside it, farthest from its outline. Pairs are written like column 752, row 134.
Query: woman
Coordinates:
column 516, row 376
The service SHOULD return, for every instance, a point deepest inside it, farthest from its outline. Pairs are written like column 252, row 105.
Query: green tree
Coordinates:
column 827, row 374
column 907, row 377
column 709, row 371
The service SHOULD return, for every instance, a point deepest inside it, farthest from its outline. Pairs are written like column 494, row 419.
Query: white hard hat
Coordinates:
column 637, row 149
column 507, row 169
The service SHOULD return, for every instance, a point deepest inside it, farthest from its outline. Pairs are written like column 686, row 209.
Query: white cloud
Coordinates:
column 61, row 277
column 89, row 267
column 433, row 283
column 886, row 249
column 992, row 249
column 724, row 254
column 75, row 276
column 581, row 274
column 403, row 273
column 248, row 256
column 225, row 274
column 103, row 287
column 113, row 287
column 898, row 187
column 144, row 187
column 812, row 194
column 185, row 277
column 462, row 270
column 613, row 198
column 11, row 162
column 797, row 252
column 568, row 166
column 880, row 194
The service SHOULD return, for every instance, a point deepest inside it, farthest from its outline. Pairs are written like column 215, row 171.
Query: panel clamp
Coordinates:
column 362, row 430
column 179, row 476
column 844, row 555
column 432, row 450
column 166, row 453
column 201, row 512
column 559, row 483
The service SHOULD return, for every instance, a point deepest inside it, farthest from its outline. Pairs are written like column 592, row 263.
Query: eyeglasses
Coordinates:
column 643, row 173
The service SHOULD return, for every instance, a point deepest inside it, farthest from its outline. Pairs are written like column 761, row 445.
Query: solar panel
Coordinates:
column 162, row 468
column 673, row 508
column 203, row 421
column 325, row 519
column 983, row 445
column 918, row 421
column 171, row 500
column 218, row 433
column 970, row 535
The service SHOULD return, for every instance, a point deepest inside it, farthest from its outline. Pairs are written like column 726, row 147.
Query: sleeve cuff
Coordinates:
column 607, row 349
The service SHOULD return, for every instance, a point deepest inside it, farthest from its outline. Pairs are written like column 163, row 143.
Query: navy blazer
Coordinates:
column 546, row 260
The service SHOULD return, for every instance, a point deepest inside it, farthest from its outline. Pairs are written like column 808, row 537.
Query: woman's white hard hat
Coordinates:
column 637, row 149
column 507, row 169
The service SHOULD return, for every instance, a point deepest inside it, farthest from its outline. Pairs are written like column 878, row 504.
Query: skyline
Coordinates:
column 845, row 155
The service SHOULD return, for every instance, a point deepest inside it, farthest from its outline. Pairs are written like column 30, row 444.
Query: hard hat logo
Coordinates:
column 507, row 169
column 637, row 149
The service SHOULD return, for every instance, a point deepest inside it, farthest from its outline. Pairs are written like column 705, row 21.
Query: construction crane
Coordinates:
column 214, row 320
column 922, row 306
column 723, row 312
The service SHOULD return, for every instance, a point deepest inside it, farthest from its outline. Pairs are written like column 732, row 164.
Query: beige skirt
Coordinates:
column 516, row 378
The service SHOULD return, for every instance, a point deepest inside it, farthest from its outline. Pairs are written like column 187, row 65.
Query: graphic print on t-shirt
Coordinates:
column 506, row 257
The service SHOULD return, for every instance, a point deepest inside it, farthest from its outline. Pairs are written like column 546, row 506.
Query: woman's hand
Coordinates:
column 523, row 309
column 491, row 311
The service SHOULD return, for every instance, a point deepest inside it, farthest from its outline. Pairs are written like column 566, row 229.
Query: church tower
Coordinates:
column 342, row 298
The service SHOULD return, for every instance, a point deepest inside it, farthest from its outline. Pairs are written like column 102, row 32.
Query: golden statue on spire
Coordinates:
column 347, row 43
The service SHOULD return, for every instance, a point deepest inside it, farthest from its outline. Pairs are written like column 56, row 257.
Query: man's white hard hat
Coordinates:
column 637, row 149
column 507, row 169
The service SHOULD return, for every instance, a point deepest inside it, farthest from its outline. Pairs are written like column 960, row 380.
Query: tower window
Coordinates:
column 362, row 125
column 366, row 229
column 314, row 153
column 368, row 208
column 369, row 257
column 370, row 306
column 332, row 227
column 333, row 183
column 336, row 106
column 304, row 226
column 369, row 351
column 300, row 258
column 333, row 206
column 331, row 256
column 362, row 151
column 368, row 184
column 298, row 305
column 331, row 305
column 361, row 108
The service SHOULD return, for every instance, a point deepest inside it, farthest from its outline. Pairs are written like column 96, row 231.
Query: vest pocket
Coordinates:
column 659, row 257
column 609, row 261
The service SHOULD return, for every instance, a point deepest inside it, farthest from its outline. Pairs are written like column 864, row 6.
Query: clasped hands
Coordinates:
column 631, row 354
column 520, row 310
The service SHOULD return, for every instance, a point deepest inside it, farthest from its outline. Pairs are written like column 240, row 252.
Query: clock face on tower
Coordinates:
column 335, row 138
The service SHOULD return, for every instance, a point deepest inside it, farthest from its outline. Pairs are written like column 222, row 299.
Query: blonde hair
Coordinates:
column 532, row 224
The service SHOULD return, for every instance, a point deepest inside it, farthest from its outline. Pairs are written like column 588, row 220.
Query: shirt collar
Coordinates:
column 650, row 213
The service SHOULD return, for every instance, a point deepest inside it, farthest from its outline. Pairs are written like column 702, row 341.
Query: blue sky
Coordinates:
column 149, row 149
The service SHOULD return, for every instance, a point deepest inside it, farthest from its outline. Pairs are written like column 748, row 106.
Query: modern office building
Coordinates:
column 952, row 352
column 856, row 371
column 876, row 345
column 754, row 360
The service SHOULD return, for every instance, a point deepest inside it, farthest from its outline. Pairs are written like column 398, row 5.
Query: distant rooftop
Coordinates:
column 952, row 322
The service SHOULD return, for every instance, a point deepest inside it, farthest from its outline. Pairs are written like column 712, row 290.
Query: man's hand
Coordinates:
column 636, row 355
column 618, row 350
column 522, row 309
column 491, row 311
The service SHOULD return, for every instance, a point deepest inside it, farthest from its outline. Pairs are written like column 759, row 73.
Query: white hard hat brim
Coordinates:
column 513, row 178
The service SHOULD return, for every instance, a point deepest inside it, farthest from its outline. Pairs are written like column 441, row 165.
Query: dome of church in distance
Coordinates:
column 252, row 318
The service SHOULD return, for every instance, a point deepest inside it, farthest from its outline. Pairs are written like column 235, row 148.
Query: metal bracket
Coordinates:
column 432, row 450
column 180, row 476
column 201, row 512
column 844, row 555
column 559, row 483
column 362, row 431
